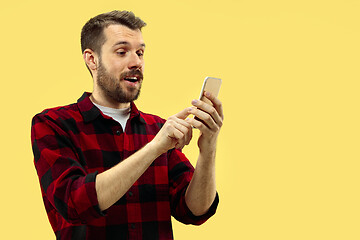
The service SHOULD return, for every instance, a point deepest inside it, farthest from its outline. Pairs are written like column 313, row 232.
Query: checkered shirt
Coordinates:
column 72, row 144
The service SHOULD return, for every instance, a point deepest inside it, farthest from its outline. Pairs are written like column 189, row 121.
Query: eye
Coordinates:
column 140, row 53
column 121, row 53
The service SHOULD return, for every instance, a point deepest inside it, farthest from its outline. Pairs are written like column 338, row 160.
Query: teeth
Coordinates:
column 131, row 78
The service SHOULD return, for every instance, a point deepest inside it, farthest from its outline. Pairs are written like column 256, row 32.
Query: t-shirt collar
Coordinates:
column 90, row 112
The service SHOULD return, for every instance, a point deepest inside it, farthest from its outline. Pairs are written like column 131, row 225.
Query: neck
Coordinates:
column 105, row 101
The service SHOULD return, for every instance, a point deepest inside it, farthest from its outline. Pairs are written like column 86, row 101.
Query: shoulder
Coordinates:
column 60, row 112
column 58, row 115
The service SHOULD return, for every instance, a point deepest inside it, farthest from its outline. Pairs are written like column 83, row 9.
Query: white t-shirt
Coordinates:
column 119, row 115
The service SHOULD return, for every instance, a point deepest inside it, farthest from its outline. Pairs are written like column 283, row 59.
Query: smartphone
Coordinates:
column 211, row 85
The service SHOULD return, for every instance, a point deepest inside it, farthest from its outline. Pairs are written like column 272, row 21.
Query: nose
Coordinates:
column 135, row 62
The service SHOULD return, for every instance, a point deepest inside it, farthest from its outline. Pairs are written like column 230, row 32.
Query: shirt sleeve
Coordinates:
column 180, row 174
column 63, row 179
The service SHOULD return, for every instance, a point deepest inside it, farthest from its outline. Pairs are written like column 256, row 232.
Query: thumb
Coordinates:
column 183, row 114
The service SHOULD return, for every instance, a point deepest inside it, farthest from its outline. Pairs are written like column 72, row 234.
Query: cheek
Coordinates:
column 143, row 67
column 115, row 67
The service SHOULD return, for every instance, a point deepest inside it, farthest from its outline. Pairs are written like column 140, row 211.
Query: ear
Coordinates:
column 90, row 58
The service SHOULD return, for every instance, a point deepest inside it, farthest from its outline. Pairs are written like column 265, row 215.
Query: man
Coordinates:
column 109, row 171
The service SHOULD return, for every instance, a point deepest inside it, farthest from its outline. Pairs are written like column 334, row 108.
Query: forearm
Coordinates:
column 112, row 184
column 201, row 191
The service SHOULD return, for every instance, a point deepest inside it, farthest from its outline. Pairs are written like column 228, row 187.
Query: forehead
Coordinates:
column 116, row 33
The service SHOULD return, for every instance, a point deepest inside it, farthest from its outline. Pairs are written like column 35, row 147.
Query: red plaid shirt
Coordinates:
column 72, row 144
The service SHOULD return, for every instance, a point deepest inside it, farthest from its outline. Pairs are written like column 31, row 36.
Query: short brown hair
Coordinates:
column 92, row 34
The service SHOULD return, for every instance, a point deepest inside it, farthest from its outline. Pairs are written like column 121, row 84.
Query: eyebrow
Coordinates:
column 127, row 43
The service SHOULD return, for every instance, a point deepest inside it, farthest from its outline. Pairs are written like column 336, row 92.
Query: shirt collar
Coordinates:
column 90, row 112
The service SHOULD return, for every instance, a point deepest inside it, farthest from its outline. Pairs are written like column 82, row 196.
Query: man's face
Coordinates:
column 121, row 63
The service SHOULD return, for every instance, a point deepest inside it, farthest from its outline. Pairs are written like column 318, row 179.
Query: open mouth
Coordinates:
column 132, row 79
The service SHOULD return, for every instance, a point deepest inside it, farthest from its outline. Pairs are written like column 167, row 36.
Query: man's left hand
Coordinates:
column 209, row 122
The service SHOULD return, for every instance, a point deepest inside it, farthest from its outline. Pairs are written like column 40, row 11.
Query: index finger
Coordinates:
column 216, row 103
column 183, row 113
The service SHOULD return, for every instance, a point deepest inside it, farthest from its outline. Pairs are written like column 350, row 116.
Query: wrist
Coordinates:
column 207, row 147
column 211, row 154
column 155, row 148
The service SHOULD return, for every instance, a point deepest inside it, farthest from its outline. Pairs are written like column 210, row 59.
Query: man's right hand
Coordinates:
column 176, row 132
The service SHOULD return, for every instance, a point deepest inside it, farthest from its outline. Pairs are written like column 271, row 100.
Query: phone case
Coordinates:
column 211, row 85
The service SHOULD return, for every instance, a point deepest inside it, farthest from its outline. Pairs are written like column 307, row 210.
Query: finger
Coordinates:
column 199, row 125
column 207, row 108
column 180, row 131
column 181, row 121
column 177, row 136
column 183, row 114
column 185, row 129
column 216, row 103
column 204, row 117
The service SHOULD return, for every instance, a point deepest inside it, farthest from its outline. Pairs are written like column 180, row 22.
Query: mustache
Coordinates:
column 132, row 72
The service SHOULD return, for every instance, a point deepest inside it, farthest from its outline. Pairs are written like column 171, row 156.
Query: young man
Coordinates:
column 109, row 171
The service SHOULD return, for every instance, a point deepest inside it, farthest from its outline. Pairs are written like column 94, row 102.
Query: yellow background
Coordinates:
column 288, row 155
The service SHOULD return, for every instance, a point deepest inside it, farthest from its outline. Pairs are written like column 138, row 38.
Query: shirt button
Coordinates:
column 133, row 226
column 131, row 194
column 118, row 132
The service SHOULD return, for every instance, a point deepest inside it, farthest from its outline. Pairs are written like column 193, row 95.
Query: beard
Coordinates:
column 111, row 87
